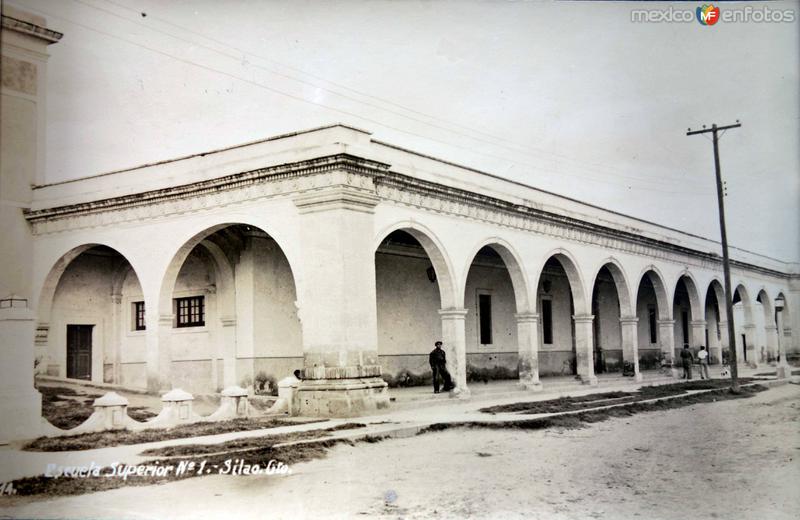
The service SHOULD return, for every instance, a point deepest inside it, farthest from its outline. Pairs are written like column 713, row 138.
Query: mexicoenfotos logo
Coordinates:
column 707, row 14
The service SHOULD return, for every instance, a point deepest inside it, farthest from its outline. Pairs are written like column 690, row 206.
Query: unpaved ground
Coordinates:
column 733, row 459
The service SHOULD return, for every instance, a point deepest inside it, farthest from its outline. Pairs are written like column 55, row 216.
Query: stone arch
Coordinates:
column 786, row 322
column 581, row 358
column 514, row 265
column 570, row 266
column 219, row 247
column 690, row 283
column 766, row 303
column 612, row 345
column 48, row 290
column 770, row 324
column 119, row 276
column 688, row 330
column 224, row 273
column 718, row 335
column 436, row 253
column 747, row 303
column 662, row 299
column 621, row 283
column 786, row 309
column 198, row 237
column 716, row 285
column 102, row 291
column 748, row 349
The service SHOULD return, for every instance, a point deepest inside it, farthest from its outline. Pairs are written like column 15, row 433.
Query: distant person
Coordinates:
column 298, row 374
column 438, row 361
column 703, row 357
column 686, row 359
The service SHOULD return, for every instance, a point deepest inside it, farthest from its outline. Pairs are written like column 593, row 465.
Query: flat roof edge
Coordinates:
column 576, row 201
column 202, row 154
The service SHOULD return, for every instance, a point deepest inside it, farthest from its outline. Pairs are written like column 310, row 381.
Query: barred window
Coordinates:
column 138, row 316
column 190, row 311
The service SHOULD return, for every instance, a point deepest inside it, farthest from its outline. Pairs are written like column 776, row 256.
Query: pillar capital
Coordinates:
column 337, row 197
column 665, row 322
column 750, row 326
column 771, row 327
column 453, row 314
column 116, row 298
column 583, row 318
column 526, row 317
column 628, row 319
column 698, row 323
column 166, row 320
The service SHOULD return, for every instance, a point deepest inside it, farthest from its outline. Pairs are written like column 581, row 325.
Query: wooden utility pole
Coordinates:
column 714, row 130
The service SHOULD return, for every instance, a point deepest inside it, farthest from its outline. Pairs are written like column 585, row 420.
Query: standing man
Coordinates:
column 686, row 360
column 438, row 362
column 703, row 357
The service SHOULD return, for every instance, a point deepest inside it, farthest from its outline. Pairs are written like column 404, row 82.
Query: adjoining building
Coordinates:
column 24, row 38
column 347, row 257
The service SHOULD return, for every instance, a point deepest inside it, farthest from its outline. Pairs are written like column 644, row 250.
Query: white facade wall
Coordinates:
column 648, row 351
column 277, row 335
column 503, row 351
column 329, row 301
column 408, row 313
column 133, row 353
column 608, row 333
column 556, row 358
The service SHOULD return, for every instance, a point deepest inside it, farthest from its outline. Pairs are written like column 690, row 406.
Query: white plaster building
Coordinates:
column 333, row 252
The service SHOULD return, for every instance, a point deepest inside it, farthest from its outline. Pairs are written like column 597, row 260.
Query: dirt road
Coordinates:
column 733, row 460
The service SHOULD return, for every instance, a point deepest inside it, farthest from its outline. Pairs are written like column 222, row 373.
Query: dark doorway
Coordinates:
column 744, row 347
column 685, row 327
column 574, row 364
column 599, row 359
column 79, row 351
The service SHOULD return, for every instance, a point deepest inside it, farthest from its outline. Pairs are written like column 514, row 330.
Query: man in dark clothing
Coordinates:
column 438, row 363
column 686, row 359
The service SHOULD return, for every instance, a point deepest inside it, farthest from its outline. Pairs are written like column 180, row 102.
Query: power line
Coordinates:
column 518, row 148
column 345, row 112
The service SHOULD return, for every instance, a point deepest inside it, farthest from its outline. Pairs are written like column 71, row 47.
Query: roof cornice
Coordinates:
column 31, row 29
column 381, row 177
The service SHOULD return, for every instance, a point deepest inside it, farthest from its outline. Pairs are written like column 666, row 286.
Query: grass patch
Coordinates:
column 65, row 407
column 768, row 374
column 571, row 404
column 140, row 413
column 561, row 404
column 244, row 444
column 581, row 419
column 89, row 441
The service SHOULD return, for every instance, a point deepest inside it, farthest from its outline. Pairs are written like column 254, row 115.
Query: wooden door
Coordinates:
column 79, row 351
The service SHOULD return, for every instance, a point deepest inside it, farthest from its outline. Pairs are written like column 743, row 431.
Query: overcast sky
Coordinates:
column 571, row 97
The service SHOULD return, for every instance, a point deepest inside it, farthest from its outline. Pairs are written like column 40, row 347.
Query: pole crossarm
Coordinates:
column 714, row 128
